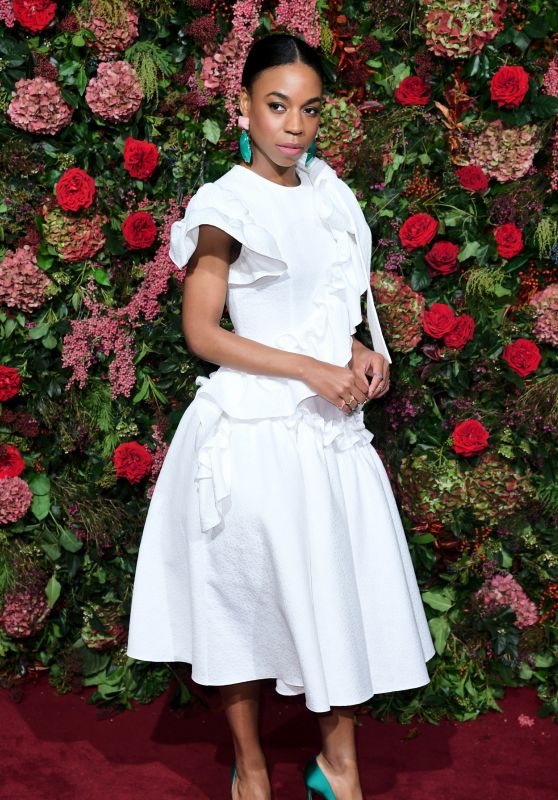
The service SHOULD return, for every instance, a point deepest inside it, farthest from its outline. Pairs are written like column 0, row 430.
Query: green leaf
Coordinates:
column 440, row 629
column 39, row 330
column 469, row 251
column 39, row 484
column 211, row 131
column 50, row 342
column 422, row 538
column 70, row 542
column 44, row 261
column 544, row 659
column 52, row 591
column 52, row 550
column 420, row 279
column 78, row 40
column 520, row 40
column 440, row 599
column 101, row 276
column 40, row 505
column 545, row 106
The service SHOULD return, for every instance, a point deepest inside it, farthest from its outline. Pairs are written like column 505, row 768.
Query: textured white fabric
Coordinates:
column 273, row 547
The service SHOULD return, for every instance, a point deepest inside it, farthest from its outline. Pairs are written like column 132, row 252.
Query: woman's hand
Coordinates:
column 367, row 362
column 340, row 385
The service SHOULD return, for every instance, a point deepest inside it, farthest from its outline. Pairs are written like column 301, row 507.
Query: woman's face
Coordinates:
column 284, row 112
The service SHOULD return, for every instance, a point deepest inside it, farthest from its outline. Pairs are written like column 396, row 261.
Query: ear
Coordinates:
column 244, row 102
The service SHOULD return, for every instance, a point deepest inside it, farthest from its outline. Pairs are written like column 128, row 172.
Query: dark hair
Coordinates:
column 275, row 50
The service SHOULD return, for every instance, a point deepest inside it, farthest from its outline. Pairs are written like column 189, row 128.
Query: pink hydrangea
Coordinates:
column 15, row 499
column 504, row 153
column 113, row 36
column 500, row 591
column 24, row 612
column 116, row 93
column 545, row 303
column 23, row 284
column 38, row 107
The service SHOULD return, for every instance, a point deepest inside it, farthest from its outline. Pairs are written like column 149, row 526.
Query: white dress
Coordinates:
column 273, row 546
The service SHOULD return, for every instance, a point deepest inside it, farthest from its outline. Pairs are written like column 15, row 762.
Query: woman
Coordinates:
column 273, row 547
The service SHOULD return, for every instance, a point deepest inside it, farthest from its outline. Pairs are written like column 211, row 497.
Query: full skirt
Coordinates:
column 273, row 548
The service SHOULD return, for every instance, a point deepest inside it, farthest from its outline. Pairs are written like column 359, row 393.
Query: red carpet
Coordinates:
column 58, row 748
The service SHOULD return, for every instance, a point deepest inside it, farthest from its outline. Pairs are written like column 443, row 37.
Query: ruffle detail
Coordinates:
column 216, row 205
column 213, row 474
column 214, row 469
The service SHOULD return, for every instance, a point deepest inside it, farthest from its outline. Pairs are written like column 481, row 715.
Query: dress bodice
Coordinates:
column 297, row 283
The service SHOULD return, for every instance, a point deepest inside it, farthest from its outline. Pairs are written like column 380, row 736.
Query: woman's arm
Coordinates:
column 203, row 301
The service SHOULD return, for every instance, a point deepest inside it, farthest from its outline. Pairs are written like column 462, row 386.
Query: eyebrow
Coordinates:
column 286, row 97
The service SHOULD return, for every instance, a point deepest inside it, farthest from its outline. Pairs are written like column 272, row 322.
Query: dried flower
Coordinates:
column 15, row 499
column 38, row 107
column 116, row 93
column 23, row 284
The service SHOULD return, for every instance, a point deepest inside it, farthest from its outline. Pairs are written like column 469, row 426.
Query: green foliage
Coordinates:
column 463, row 516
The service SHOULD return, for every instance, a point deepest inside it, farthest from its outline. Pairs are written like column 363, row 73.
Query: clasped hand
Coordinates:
column 366, row 362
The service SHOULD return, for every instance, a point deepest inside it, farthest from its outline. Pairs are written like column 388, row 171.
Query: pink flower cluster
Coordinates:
column 24, row 612
column 550, row 80
column 545, row 303
column 161, row 450
column 115, row 93
column 112, row 36
column 108, row 331
column 222, row 68
column 503, row 590
column 38, row 107
column 23, row 284
column 300, row 18
column 15, row 499
column 7, row 13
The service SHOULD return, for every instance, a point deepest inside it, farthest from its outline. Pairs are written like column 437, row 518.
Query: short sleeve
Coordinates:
column 218, row 206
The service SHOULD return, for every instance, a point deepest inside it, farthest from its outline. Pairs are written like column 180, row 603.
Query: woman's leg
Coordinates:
column 338, row 756
column 241, row 702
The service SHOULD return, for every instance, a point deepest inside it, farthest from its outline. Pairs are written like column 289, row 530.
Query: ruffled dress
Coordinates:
column 273, row 546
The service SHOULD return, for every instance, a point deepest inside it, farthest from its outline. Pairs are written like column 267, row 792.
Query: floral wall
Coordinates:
column 441, row 116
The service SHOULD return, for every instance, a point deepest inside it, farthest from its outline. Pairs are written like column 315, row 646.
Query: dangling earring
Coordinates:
column 244, row 142
column 311, row 152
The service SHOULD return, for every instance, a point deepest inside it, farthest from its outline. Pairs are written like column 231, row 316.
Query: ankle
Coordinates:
column 253, row 761
column 339, row 763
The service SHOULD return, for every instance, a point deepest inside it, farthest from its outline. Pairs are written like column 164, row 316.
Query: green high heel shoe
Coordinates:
column 233, row 772
column 316, row 781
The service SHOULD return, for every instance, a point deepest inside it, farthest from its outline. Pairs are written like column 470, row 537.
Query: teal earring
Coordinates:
column 311, row 152
column 245, row 149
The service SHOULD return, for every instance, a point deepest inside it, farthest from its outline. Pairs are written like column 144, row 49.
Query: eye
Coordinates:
column 274, row 105
column 314, row 111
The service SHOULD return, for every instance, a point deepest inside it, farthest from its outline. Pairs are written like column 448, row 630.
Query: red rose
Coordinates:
column 523, row 356
column 132, row 461
column 509, row 86
column 418, row 230
column 139, row 230
column 443, row 257
column 10, row 382
column 34, row 14
column 472, row 178
column 509, row 240
column 75, row 190
column 11, row 462
column 462, row 331
column 412, row 91
column 438, row 320
column 469, row 437
column 140, row 158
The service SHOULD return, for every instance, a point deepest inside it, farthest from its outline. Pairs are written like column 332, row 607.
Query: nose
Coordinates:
column 293, row 123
